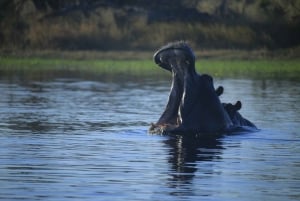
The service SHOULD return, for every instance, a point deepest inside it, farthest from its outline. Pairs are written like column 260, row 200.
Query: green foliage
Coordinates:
column 254, row 69
column 140, row 24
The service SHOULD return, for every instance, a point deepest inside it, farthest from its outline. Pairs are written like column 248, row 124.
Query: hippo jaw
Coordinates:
column 169, row 58
column 193, row 104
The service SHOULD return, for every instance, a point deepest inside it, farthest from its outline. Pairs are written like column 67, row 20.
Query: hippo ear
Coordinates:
column 219, row 90
column 238, row 105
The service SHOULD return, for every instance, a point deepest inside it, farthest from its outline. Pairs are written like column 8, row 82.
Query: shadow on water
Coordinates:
column 185, row 154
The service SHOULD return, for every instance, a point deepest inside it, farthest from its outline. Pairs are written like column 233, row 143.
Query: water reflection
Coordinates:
column 185, row 154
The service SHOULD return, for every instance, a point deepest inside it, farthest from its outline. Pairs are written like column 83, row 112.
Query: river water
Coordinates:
column 74, row 138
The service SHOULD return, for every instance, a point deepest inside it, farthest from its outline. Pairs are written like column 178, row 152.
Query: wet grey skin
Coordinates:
column 193, row 105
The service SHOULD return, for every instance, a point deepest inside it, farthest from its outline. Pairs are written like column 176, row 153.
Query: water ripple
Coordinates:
column 71, row 139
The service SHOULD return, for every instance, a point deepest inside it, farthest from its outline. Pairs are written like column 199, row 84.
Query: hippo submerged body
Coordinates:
column 194, row 105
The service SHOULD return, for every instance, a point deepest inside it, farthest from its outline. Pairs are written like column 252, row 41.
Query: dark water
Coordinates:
column 80, row 139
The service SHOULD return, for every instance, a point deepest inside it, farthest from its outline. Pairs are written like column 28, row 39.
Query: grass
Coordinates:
column 100, row 66
column 254, row 69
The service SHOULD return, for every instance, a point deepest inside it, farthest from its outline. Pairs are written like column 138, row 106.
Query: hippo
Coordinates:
column 235, row 116
column 193, row 105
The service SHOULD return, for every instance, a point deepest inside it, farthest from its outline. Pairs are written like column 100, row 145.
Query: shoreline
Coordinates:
column 223, row 68
column 214, row 54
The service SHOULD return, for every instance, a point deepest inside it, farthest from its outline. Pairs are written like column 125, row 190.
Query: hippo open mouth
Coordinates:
column 193, row 105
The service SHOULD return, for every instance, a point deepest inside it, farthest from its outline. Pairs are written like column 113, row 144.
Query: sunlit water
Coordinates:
column 80, row 139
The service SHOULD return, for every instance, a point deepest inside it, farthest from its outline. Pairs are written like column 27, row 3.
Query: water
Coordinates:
column 86, row 139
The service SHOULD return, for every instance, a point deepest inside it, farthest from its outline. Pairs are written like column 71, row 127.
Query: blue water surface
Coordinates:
column 81, row 139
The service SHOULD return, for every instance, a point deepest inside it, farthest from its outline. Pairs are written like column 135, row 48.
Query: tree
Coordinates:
column 245, row 4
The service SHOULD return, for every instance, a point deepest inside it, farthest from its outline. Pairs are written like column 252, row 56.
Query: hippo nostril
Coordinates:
column 161, row 59
column 158, row 59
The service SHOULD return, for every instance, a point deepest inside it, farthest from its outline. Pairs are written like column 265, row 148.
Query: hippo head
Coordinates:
column 174, row 52
column 193, row 104
column 232, row 109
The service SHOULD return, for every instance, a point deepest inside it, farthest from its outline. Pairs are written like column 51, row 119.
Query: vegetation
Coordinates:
column 254, row 69
column 249, row 38
column 146, row 25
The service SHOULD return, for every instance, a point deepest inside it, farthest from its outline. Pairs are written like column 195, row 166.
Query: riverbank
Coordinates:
column 130, row 66
column 282, row 54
